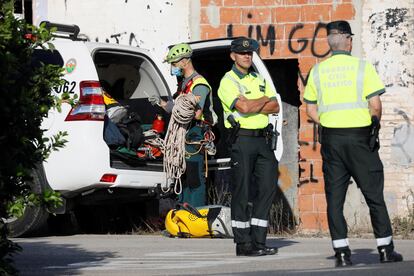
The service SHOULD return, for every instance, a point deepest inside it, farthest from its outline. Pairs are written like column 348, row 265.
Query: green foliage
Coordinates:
column 25, row 101
column 49, row 199
column 56, row 142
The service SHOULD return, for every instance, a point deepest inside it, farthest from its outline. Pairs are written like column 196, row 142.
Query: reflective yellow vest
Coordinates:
column 208, row 113
column 341, row 86
column 252, row 86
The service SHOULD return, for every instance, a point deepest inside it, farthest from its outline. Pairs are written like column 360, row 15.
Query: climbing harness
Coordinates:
column 207, row 143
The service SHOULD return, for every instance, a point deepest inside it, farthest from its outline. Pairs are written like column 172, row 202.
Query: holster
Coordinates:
column 319, row 134
column 374, row 143
column 233, row 131
column 271, row 137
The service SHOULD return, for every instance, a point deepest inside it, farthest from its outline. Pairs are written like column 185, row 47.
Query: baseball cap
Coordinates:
column 340, row 27
column 244, row 44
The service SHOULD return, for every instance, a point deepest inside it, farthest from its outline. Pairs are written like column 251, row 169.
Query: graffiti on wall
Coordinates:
column 118, row 38
column 268, row 38
column 311, row 178
column 305, row 41
column 302, row 161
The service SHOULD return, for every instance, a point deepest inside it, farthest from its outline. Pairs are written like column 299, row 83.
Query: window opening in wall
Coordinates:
column 285, row 76
column 284, row 73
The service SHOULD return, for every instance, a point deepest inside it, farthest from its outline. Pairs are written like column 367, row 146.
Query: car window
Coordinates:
column 128, row 76
column 47, row 57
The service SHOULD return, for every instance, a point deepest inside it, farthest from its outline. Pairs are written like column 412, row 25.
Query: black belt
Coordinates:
column 347, row 131
column 252, row 132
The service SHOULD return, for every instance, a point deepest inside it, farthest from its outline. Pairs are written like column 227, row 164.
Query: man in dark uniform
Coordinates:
column 343, row 96
column 247, row 100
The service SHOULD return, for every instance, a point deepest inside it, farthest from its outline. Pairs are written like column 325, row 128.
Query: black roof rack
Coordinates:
column 215, row 39
column 208, row 40
column 63, row 30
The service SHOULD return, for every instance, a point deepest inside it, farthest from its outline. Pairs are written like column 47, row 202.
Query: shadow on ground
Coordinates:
column 363, row 256
column 279, row 242
column 43, row 258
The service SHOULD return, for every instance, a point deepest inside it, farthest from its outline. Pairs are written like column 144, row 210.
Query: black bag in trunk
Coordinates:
column 130, row 127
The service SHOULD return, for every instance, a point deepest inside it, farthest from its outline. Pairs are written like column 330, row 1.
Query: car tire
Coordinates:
column 33, row 222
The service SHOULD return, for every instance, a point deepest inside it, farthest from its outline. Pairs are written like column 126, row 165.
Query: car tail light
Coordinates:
column 108, row 177
column 91, row 106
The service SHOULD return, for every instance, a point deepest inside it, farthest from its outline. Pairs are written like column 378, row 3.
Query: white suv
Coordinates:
column 86, row 170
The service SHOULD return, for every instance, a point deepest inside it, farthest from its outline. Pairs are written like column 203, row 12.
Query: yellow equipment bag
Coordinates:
column 114, row 110
column 108, row 100
column 211, row 221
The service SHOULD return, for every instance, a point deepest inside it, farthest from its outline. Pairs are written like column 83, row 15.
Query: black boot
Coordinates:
column 342, row 257
column 269, row 250
column 247, row 249
column 388, row 255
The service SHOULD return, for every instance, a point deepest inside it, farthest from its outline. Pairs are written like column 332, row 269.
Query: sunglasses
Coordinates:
column 244, row 53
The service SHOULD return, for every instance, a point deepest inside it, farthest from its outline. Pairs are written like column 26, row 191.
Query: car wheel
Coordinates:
column 33, row 222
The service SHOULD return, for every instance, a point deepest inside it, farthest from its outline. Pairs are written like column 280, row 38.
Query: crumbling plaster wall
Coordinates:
column 154, row 24
column 388, row 42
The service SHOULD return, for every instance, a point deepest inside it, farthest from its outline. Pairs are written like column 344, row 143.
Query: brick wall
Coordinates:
column 286, row 29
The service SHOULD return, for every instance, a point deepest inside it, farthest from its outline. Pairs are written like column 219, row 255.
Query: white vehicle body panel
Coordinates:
column 85, row 158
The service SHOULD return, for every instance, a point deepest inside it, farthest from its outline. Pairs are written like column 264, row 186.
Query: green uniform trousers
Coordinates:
column 194, row 181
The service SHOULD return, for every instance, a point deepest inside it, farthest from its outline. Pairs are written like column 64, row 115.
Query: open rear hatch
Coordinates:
column 129, row 78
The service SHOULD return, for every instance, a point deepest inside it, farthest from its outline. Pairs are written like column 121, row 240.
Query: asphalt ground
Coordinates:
column 159, row 255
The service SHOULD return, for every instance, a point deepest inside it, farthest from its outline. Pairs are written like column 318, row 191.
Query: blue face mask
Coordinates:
column 176, row 71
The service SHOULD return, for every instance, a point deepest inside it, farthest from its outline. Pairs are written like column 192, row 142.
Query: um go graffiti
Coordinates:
column 305, row 41
column 268, row 39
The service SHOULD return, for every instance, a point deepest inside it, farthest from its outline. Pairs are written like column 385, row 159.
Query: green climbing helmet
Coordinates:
column 179, row 51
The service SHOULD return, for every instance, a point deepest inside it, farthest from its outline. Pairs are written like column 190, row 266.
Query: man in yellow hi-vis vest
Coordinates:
column 179, row 56
column 247, row 100
column 343, row 96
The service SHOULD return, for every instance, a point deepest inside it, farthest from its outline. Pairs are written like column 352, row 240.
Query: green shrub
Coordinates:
column 25, row 101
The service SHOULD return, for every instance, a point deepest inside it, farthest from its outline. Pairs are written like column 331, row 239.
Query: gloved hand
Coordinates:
column 154, row 100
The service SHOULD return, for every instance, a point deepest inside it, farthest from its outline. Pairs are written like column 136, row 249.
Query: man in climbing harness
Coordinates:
column 179, row 56
column 343, row 96
column 247, row 100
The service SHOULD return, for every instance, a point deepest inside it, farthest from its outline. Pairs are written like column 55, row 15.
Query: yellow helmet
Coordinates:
column 206, row 221
column 179, row 51
column 182, row 223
